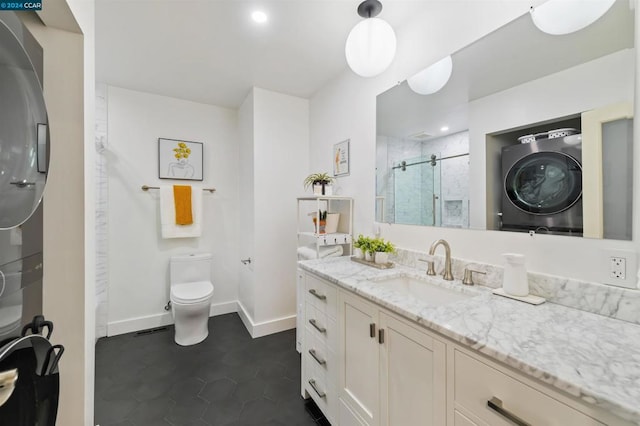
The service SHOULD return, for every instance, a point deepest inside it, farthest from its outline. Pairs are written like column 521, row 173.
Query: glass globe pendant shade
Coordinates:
column 558, row 17
column 370, row 47
column 433, row 78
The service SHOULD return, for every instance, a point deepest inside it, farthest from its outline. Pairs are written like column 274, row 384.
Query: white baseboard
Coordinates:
column 160, row 320
column 267, row 327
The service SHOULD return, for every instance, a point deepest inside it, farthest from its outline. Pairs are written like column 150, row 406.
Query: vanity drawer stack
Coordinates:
column 320, row 370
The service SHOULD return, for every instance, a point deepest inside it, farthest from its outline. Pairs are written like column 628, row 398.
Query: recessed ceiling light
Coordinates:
column 259, row 17
column 444, row 128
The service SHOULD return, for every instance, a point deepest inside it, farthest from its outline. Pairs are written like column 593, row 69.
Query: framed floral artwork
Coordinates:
column 180, row 159
column 341, row 158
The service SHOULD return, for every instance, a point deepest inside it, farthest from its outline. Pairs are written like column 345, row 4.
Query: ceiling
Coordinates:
column 210, row 51
column 512, row 55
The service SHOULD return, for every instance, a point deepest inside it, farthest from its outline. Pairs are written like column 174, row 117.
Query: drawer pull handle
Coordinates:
column 316, row 326
column 372, row 330
column 496, row 405
column 319, row 296
column 313, row 385
column 320, row 361
column 381, row 336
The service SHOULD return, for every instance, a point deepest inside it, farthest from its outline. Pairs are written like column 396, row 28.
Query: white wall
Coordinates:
column 65, row 243
column 138, row 256
column 281, row 147
column 246, row 212
column 273, row 162
column 345, row 108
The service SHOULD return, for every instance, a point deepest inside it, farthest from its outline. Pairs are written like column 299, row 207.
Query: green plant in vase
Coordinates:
column 382, row 250
column 320, row 182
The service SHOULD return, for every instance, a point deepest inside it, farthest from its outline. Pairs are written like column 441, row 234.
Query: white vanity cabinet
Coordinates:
column 319, row 345
column 391, row 371
column 367, row 366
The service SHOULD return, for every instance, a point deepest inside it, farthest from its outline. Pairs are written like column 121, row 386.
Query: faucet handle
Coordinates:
column 468, row 276
column 431, row 270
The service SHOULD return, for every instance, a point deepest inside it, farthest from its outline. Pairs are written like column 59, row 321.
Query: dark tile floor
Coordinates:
column 229, row 379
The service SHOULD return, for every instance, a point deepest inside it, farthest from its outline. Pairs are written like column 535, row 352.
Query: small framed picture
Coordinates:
column 179, row 159
column 341, row 158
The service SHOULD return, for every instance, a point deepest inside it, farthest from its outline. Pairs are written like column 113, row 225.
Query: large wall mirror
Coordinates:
column 530, row 132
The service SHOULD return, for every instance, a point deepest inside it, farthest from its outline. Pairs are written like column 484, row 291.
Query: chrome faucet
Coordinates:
column 447, row 274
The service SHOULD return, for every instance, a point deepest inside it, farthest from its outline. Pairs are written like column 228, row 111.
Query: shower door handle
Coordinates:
column 435, row 197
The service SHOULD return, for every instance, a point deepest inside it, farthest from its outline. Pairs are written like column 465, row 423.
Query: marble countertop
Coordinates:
column 591, row 357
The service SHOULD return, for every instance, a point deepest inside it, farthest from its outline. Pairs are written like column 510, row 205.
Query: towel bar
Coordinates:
column 147, row 187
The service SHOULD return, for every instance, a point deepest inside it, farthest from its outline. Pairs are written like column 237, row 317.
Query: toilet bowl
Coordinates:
column 191, row 294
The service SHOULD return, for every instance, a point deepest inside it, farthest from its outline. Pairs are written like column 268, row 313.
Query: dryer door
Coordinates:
column 23, row 133
column 544, row 183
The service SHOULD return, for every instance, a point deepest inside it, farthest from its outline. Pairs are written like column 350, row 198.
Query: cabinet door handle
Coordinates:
column 313, row 385
column 315, row 356
column 496, row 405
column 372, row 330
column 316, row 326
column 381, row 336
column 319, row 296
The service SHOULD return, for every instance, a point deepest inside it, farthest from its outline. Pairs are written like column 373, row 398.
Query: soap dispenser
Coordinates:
column 514, row 280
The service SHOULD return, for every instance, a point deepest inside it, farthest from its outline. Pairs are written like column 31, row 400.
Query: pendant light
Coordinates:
column 558, row 17
column 371, row 44
column 433, row 78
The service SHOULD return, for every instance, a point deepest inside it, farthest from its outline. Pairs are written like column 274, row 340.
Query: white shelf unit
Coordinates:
column 308, row 233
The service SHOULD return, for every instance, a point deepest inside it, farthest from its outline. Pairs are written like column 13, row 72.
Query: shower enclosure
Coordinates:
column 429, row 190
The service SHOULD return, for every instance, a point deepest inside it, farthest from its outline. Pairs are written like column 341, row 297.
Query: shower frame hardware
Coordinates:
column 147, row 187
column 432, row 160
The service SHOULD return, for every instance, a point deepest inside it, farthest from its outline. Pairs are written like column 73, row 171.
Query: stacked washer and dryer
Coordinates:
column 542, row 184
column 29, row 376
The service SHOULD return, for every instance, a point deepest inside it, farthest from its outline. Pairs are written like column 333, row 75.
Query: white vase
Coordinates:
column 382, row 257
column 317, row 189
column 328, row 190
column 357, row 252
column 368, row 256
column 332, row 223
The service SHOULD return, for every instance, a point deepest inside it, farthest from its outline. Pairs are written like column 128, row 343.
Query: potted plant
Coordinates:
column 382, row 249
column 360, row 246
column 320, row 182
column 320, row 221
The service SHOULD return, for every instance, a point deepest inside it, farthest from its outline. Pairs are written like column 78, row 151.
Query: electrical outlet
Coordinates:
column 618, row 268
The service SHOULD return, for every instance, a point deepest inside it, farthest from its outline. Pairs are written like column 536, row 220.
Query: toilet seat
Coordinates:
column 190, row 293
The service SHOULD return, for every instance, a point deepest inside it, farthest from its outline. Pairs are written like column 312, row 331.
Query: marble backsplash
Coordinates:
column 614, row 302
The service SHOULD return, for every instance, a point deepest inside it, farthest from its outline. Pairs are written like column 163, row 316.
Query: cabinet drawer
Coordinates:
column 323, row 392
column 475, row 383
column 321, row 326
column 460, row 419
column 322, row 356
column 321, row 294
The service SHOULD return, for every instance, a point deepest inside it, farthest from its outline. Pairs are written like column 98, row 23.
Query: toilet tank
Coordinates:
column 190, row 268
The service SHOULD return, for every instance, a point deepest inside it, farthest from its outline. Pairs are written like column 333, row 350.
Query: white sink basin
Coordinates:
column 422, row 290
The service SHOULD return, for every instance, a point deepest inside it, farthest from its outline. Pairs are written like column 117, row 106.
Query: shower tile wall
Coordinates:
column 454, row 178
column 101, row 211
column 407, row 205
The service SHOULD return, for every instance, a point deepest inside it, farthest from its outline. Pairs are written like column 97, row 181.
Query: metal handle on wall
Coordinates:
column 246, row 261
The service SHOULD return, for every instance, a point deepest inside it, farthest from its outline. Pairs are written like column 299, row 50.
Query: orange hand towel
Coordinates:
column 182, row 201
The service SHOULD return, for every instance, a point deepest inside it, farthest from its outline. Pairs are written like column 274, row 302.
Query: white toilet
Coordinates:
column 191, row 293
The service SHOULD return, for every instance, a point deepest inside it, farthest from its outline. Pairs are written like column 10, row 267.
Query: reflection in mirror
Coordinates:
column 532, row 132
column 23, row 133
